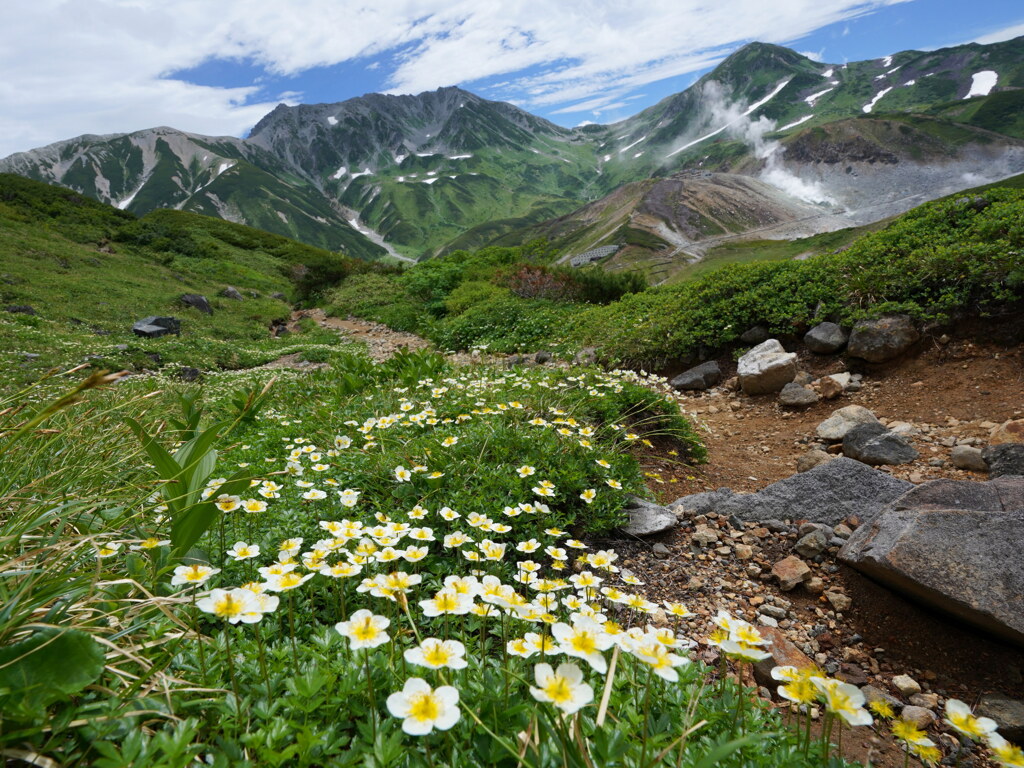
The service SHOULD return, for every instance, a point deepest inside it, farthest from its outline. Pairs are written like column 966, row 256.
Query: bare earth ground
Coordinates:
column 948, row 392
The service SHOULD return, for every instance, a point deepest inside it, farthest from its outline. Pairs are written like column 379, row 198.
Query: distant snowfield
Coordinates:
column 332, row 120
column 459, row 157
column 795, row 123
column 871, row 104
column 815, row 96
column 624, row 149
column 365, row 172
column 982, row 83
column 339, row 173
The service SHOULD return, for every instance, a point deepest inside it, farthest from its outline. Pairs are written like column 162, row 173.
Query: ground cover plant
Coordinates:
column 372, row 565
column 952, row 257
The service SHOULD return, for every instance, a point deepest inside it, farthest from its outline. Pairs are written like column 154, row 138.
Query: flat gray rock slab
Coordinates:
column 827, row 494
column 932, row 547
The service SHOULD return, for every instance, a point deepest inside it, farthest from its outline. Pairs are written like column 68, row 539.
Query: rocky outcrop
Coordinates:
column 841, row 421
column 1004, row 459
column 954, row 545
column 703, row 376
column 766, row 368
column 827, row 494
column 886, row 338
column 647, row 518
column 153, row 326
column 874, row 444
column 826, row 339
column 198, row 302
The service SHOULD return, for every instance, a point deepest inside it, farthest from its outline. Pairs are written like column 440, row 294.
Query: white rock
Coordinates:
column 766, row 368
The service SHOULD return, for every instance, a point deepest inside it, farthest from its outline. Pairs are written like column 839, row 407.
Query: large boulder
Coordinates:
column 703, row 376
column 647, row 518
column 153, row 326
column 827, row 494
column 1004, row 459
column 874, row 444
column 196, row 301
column 230, row 292
column 835, row 427
column 766, row 368
column 954, row 545
column 826, row 338
column 883, row 339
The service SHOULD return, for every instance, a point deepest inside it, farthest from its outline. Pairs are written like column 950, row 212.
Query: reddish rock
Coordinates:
column 791, row 572
column 783, row 654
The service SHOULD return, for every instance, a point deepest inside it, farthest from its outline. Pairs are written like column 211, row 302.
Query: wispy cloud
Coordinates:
column 102, row 66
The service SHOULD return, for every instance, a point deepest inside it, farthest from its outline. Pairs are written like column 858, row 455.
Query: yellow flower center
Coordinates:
column 228, row 607
column 365, row 630
column 558, row 689
column 583, row 642
column 424, row 707
column 437, row 655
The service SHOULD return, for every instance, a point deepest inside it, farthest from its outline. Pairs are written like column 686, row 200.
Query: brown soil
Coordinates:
column 950, row 391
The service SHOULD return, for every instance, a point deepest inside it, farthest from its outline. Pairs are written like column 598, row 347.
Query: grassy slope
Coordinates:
column 90, row 271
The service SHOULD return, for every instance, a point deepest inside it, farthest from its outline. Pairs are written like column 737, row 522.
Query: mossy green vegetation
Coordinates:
column 89, row 271
column 378, row 560
column 958, row 255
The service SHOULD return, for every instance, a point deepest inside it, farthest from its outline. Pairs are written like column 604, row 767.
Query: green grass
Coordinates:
column 89, row 271
column 754, row 251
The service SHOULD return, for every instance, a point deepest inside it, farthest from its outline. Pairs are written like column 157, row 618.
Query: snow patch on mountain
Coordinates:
column 795, row 123
column 815, row 96
column 332, row 120
column 871, row 104
column 982, row 83
column 339, row 173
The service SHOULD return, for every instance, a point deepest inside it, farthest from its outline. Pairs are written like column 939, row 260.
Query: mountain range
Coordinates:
column 768, row 144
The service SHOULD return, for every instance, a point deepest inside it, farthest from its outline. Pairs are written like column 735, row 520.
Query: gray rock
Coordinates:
column 827, row 494
column 153, row 326
column 20, row 309
column 196, row 301
column 766, row 368
column 1008, row 714
column 874, row 444
column 883, row 339
column 843, row 420
column 703, row 376
column 755, row 335
column 231, row 292
column 542, row 357
column 826, row 338
column 873, row 694
column 700, row 503
column 812, row 545
column 279, row 296
column 795, row 396
column 968, row 457
column 1004, row 459
column 954, row 545
column 660, row 550
column 647, row 518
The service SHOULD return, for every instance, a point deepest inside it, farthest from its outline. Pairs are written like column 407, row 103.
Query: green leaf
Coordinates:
column 49, row 665
column 166, row 466
column 191, row 524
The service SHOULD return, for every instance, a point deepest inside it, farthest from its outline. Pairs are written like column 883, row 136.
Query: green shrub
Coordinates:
column 470, row 293
column 506, row 325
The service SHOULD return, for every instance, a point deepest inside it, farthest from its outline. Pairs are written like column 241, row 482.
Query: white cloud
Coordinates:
column 103, row 66
column 998, row 36
column 814, row 55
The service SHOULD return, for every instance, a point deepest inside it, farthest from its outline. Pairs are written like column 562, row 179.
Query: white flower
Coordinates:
column 192, row 574
column 564, row 688
column 364, row 629
column 423, row 709
column 844, row 700
column 959, row 716
column 234, row 605
column 243, row 551
column 438, row 654
column 348, row 497
column 585, row 639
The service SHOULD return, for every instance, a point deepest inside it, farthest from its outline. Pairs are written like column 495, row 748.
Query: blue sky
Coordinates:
column 103, row 66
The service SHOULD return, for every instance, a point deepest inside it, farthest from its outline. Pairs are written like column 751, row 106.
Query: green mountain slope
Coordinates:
column 89, row 270
column 415, row 176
